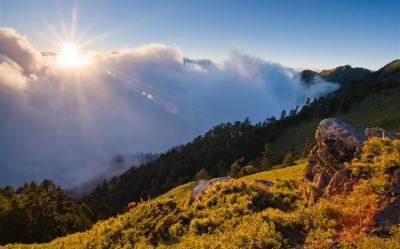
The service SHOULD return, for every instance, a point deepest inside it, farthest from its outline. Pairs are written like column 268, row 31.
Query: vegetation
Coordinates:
column 39, row 213
column 344, row 74
column 244, row 214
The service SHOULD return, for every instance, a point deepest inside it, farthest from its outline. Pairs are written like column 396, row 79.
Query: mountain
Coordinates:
column 342, row 75
column 307, row 76
column 391, row 70
column 227, row 148
column 351, row 201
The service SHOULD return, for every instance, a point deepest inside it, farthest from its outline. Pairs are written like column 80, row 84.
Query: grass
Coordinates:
column 291, row 173
column 181, row 193
column 378, row 109
column 295, row 173
column 242, row 214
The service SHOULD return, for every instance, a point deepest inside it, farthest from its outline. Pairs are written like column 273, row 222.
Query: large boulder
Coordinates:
column 202, row 186
column 337, row 142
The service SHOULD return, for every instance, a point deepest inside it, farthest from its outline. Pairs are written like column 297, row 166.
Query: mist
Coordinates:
column 67, row 123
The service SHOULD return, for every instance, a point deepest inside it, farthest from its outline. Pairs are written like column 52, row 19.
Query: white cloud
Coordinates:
column 66, row 123
column 18, row 49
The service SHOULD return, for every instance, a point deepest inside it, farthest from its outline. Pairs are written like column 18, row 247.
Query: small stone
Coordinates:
column 202, row 186
column 264, row 183
column 379, row 132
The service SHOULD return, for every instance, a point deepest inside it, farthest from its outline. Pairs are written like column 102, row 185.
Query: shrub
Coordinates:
column 289, row 159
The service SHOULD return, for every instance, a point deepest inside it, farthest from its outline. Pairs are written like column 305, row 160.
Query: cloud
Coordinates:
column 18, row 49
column 67, row 123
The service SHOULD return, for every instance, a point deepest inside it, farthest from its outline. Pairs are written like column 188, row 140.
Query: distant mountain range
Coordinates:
column 347, row 74
column 342, row 75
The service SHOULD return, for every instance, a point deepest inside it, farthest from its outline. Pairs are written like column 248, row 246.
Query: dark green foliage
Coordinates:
column 344, row 74
column 39, row 213
column 220, row 169
column 268, row 158
column 289, row 159
column 202, row 175
column 247, row 170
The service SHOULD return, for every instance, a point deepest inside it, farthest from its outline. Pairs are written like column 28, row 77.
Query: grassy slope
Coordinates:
column 378, row 109
column 99, row 231
column 242, row 214
column 294, row 173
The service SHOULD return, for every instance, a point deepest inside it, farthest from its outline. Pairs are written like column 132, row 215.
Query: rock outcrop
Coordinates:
column 337, row 143
column 202, row 186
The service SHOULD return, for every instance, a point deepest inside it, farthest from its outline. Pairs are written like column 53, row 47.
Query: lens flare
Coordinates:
column 70, row 56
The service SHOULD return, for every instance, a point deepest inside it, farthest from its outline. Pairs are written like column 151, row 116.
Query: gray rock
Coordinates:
column 341, row 183
column 202, row 186
column 322, row 179
column 264, row 183
column 337, row 142
column 379, row 132
column 390, row 215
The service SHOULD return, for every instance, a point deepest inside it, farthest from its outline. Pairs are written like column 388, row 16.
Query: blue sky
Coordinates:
column 301, row 34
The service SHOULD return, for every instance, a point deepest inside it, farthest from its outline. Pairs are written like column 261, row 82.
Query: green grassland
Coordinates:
column 292, row 173
column 377, row 109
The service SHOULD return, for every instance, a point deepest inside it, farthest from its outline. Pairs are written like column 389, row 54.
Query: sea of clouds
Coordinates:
column 66, row 123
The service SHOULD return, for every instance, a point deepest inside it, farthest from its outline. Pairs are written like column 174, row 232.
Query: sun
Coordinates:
column 70, row 56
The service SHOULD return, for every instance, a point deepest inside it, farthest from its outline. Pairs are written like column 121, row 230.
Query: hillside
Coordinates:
column 246, row 213
column 370, row 101
column 344, row 74
column 380, row 109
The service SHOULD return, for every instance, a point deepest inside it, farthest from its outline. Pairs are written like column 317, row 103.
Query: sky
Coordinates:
column 300, row 34
column 147, row 76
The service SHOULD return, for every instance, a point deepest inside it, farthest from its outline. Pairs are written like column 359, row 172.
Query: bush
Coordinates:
column 289, row 159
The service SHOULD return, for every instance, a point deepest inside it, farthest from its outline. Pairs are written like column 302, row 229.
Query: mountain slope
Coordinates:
column 390, row 70
column 344, row 74
column 367, row 102
column 245, row 214
column 160, row 222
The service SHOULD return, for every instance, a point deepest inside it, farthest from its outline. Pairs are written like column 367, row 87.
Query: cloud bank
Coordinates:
column 66, row 123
